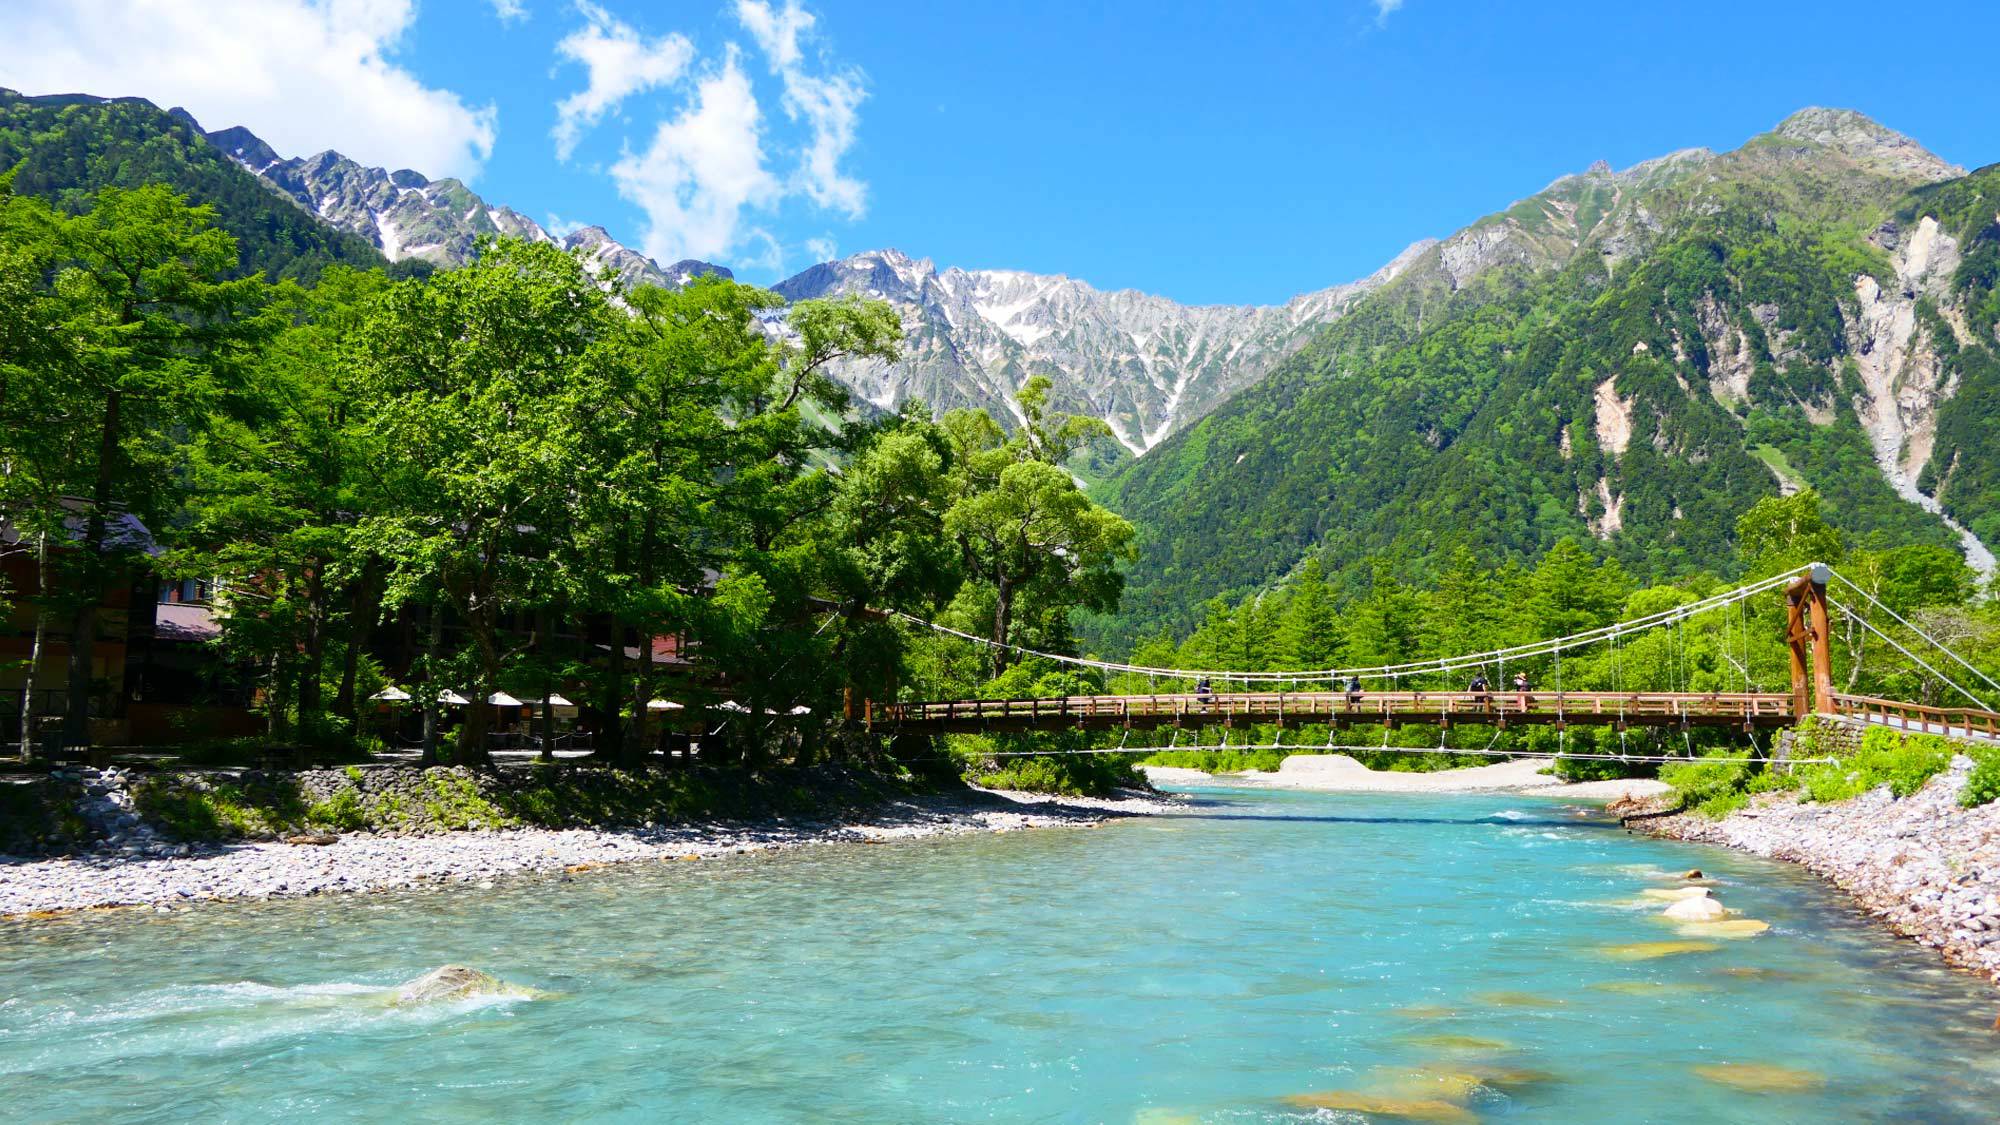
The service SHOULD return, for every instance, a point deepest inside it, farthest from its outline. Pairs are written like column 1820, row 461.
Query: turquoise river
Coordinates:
column 1259, row 956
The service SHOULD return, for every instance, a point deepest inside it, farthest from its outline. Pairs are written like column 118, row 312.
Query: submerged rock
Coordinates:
column 1425, row 1012
column 1649, row 987
column 1762, row 1078
column 1374, row 1105
column 1700, row 909
column 456, row 982
column 1457, row 1043
column 1728, row 928
column 1519, row 1000
column 1648, row 950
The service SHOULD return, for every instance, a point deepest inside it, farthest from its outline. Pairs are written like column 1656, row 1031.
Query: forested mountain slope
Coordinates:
column 64, row 148
column 1633, row 357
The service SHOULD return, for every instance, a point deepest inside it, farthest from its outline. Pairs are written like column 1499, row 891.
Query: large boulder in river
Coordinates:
column 1699, row 909
column 456, row 982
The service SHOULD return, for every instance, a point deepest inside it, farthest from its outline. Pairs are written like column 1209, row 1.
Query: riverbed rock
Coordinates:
column 455, row 982
column 1762, row 1078
column 1698, row 909
column 1374, row 1105
column 1921, row 863
column 1675, row 894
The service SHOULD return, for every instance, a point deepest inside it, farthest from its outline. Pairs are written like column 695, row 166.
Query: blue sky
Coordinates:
column 1211, row 153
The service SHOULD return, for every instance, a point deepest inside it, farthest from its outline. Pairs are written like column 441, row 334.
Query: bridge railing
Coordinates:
column 1917, row 717
column 1314, row 706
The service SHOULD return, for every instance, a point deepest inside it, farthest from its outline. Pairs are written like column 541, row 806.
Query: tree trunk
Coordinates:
column 82, row 652
column 611, row 694
column 35, row 648
column 83, row 623
column 310, row 671
column 431, row 687
column 1003, row 619
column 479, row 712
column 642, row 694
column 357, row 639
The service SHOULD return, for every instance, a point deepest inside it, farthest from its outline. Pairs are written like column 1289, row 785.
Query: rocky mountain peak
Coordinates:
column 407, row 215
column 1144, row 364
column 244, row 147
column 1865, row 140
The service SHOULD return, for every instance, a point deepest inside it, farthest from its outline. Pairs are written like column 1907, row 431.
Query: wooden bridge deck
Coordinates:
column 1740, row 710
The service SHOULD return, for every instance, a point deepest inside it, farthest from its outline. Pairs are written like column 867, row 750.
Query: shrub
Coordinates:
column 1075, row 776
column 341, row 812
column 1702, row 785
column 1885, row 757
column 1982, row 785
column 1220, row 761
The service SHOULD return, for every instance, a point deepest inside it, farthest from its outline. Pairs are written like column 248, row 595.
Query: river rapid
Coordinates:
column 1255, row 956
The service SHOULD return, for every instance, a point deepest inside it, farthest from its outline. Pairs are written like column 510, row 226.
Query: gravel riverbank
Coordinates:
column 1924, row 865
column 167, row 879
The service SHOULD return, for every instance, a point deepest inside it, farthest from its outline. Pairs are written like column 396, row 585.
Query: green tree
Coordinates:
column 481, row 380
column 1308, row 633
column 1035, row 534
column 274, row 495
column 152, row 339
column 1781, row 533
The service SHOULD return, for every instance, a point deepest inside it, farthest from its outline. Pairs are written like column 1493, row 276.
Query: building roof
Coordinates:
column 185, row 621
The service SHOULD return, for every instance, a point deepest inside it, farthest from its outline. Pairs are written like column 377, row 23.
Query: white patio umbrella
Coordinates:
column 664, row 705
column 801, row 709
column 502, row 699
column 453, row 698
column 555, row 700
column 733, row 707
column 391, row 694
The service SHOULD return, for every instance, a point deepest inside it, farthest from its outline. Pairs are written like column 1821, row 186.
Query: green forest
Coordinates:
column 547, row 470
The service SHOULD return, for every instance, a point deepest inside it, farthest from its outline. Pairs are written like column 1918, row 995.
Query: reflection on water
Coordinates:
column 1269, row 956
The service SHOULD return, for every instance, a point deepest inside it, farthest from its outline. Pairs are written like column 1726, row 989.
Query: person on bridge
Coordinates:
column 1204, row 692
column 1478, row 687
column 1353, row 690
column 1521, row 689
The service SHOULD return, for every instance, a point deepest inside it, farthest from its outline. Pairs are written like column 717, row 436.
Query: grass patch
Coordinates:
column 40, row 815
column 226, row 810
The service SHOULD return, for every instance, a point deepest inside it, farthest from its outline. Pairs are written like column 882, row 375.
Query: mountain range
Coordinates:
column 1626, row 357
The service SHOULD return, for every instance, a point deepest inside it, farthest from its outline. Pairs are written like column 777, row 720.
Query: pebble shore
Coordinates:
column 1924, row 865
column 162, row 877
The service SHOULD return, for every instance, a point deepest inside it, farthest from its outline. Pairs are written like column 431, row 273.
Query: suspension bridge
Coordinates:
column 1331, row 698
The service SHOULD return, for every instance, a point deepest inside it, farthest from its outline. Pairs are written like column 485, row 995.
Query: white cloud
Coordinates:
column 304, row 75
column 560, row 227
column 1384, row 8
column 620, row 62
column 828, row 103
column 701, row 170
column 821, row 249
column 509, row 11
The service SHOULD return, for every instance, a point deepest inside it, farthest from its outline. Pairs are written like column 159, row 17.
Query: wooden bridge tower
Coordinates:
column 1808, row 629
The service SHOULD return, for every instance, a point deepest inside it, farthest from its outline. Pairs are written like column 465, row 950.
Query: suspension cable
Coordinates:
column 1980, row 703
column 1940, row 645
column 1677, row 614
